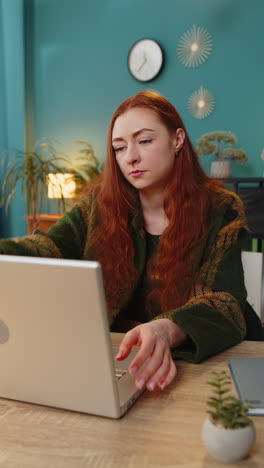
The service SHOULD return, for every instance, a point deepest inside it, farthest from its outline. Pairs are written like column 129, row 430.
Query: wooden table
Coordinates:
column 162, row 429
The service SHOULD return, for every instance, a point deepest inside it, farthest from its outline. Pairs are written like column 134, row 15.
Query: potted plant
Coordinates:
column 214, row 143
column 88, row 166
column 32, row 170
column 228, row 433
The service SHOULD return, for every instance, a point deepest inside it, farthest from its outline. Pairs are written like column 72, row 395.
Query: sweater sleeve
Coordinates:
column 213, row 318
column 66, row 239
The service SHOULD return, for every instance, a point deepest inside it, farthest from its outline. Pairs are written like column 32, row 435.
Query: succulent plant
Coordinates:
column 224, row 409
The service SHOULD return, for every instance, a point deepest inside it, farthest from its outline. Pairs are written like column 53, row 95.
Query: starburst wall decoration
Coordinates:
column 194, row 46
column 201, row 103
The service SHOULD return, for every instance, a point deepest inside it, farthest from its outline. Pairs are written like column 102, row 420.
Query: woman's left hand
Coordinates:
column 155, row 340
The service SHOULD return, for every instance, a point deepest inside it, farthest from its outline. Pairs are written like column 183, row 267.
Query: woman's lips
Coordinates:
column 136, row 173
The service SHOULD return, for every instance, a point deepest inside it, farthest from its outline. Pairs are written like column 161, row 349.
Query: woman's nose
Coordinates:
column 132, row 154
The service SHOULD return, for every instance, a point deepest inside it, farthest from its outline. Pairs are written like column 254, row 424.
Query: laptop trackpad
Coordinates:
column 123, row 365
column 128, row 392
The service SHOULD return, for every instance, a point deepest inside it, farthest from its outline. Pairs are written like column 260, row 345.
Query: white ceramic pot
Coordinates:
column 220, row 169
column 228, row 445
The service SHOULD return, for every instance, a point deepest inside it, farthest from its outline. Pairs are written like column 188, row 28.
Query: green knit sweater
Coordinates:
column 214, row 316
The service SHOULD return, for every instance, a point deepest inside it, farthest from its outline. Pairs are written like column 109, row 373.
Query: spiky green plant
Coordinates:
column 224, row 409
column 88, row 167
column 31, row 169
column 214, row 143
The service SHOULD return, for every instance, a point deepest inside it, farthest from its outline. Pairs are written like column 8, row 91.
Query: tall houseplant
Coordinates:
column 32, row 168
column 88, row 167
column 221, row 145
column 228, row 433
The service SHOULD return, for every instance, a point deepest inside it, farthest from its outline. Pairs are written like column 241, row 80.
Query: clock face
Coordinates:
column 145, row 59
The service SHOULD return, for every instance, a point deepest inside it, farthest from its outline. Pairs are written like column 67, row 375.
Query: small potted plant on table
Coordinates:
column 213, row 143
column 228, row 433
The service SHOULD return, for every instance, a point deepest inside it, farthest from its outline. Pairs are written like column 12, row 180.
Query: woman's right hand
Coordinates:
column 153, row 361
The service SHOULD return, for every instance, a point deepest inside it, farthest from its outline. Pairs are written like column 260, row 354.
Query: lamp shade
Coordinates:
column 61, row 185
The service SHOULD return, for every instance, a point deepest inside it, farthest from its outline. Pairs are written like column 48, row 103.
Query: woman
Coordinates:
column 168, row 238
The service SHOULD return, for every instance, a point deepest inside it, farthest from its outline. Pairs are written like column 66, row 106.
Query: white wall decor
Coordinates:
column 194, row 46
column 201, row 103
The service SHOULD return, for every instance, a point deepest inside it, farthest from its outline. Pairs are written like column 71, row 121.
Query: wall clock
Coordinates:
column 145, row 59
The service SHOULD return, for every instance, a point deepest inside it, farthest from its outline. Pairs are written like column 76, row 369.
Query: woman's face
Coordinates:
column 144, row 149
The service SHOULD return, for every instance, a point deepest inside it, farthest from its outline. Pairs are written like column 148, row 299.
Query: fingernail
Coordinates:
column 119, row 354
column 151, row 385
column 140, row 383
column 163, row 384
column 133, row 370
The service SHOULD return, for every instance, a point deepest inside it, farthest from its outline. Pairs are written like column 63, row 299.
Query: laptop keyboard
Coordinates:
column 119, row 373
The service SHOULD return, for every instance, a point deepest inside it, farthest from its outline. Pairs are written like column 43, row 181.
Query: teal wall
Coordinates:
column 3, row 139
column 2, row 88
column 13, row 100
column 76, row 69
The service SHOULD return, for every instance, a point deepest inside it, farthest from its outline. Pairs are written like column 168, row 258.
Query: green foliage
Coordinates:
column 87, row 165
column 226, row 137
column 235, row 154
column 31, row 169
column 226, row 410
column 213, row 143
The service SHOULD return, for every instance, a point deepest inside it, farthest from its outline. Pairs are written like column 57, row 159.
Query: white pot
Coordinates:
column 220, row 169
column 228, row 445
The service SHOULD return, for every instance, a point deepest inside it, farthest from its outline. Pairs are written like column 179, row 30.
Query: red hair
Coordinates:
column 186, row 204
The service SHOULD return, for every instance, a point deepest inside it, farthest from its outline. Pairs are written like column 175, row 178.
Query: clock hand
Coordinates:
column 139, row 68
column 143, row 63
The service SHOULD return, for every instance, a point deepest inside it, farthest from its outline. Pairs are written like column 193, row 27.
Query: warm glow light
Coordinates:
column 194, row 47
column 201, row 103
column 61, row 185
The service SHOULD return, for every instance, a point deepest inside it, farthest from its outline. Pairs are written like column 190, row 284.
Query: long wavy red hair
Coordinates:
column 186, row 204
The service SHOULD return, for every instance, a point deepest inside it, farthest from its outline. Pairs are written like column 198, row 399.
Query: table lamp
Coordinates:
column 61, row 185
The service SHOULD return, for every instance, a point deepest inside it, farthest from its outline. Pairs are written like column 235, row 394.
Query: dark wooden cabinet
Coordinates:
column 251, row 190
column 237, row 182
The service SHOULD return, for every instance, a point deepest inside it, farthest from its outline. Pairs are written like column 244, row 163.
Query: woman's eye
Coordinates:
column 146, row 140
column 118, row 149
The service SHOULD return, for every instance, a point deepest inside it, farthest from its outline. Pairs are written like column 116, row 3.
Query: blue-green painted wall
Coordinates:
column 2, row 88
column 13, row 98
column 79, row 68
column 3, row 139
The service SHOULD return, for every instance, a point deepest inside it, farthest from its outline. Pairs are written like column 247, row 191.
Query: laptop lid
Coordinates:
column 55, row 345
column 248, row 376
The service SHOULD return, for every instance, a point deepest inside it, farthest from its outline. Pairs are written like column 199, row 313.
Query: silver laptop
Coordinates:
column 55, row 344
